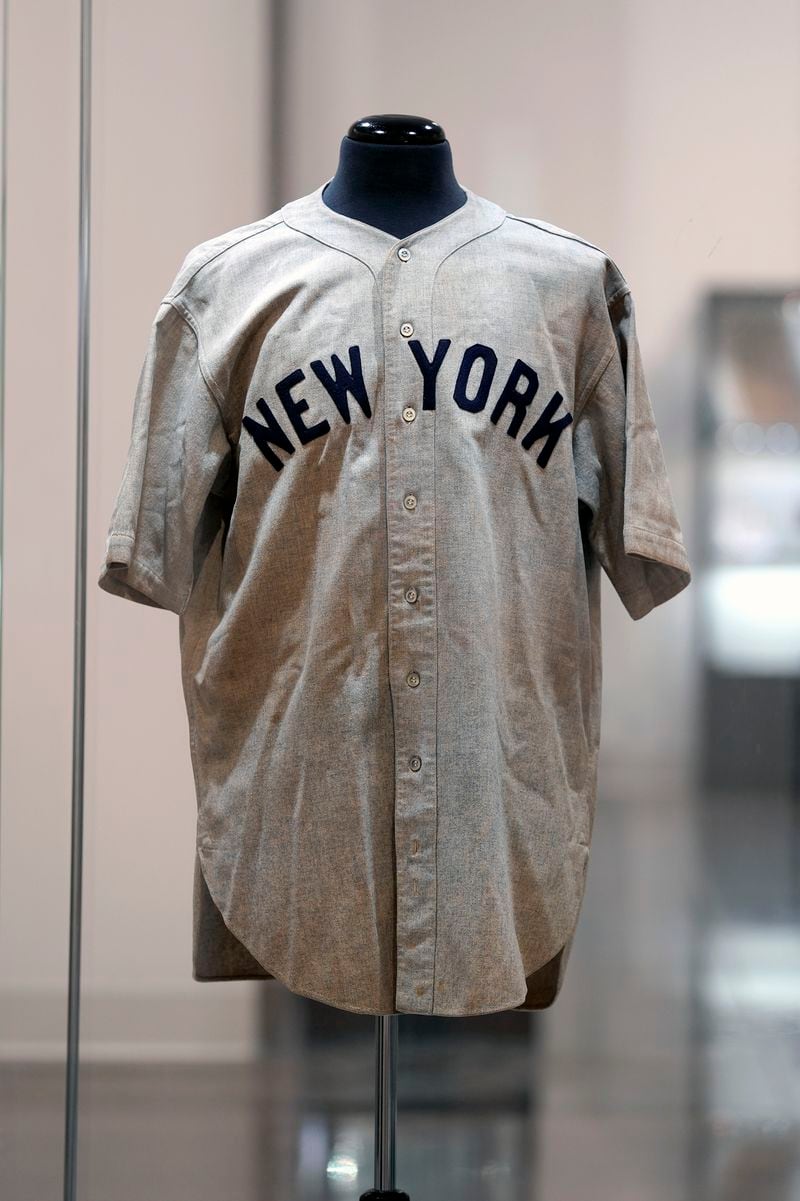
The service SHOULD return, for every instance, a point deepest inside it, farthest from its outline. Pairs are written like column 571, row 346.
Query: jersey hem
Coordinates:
column 515, row 1004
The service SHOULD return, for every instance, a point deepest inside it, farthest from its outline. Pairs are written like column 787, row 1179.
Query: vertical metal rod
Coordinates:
column 279, row 110
column 79, row 641
column 385, row 1100
column 3, row 294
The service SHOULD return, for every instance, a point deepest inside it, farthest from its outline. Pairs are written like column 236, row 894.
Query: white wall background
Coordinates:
column 180, row 141
column 668, row 135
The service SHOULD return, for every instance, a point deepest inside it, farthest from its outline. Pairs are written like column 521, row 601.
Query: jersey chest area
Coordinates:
column 466, row 349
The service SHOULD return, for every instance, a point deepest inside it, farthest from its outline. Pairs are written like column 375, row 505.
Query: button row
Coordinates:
column 411, row 594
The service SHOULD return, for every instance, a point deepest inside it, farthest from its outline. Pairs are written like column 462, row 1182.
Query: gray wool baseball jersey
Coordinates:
column 377, row 478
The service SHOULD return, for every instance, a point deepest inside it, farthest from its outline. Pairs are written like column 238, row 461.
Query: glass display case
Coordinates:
column 748, row 538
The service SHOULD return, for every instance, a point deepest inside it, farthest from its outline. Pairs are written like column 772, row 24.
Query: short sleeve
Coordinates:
column 179, row 456
column 622, row 477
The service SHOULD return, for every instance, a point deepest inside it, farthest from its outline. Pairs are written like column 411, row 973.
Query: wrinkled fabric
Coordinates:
column 378, row 489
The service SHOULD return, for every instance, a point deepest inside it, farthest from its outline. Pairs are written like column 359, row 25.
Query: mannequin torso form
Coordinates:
column 395, row 172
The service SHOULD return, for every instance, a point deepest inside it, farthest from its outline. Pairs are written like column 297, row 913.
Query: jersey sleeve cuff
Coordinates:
column 121, row 574
column 669, row 569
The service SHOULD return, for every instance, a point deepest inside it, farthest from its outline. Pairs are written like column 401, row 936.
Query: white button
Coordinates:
column 409, row 413
column 412, row 679
column 411, row 595
column 415, row 763
column 406, row 329
column 410, row 501
column 404, row 254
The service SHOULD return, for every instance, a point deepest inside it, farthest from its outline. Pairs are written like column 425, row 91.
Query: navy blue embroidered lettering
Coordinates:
column 344, row 382
column 520, row 400
column 269, row 435
column 429, row 368
column 544, row 427
column 478, row 403
column 351, row 381
column 295, row 407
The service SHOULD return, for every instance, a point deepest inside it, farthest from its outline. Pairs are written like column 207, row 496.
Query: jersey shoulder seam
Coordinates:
column 566, row 235
column 262, row 228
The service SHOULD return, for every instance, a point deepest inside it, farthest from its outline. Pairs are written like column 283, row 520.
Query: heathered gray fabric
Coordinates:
column 263, row 501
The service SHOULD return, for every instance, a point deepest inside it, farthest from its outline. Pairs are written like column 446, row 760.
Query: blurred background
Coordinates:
column 669, row 1067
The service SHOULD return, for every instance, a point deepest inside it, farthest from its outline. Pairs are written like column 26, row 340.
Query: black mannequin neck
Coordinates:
column 399, row 189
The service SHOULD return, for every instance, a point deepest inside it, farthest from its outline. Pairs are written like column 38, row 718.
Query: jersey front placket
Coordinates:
column 406, row 282
column 405, row 273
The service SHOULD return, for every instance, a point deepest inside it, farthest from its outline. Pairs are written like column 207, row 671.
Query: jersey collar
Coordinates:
column 311, row 215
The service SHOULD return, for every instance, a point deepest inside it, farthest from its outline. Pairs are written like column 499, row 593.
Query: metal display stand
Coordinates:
column 385, row 1111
